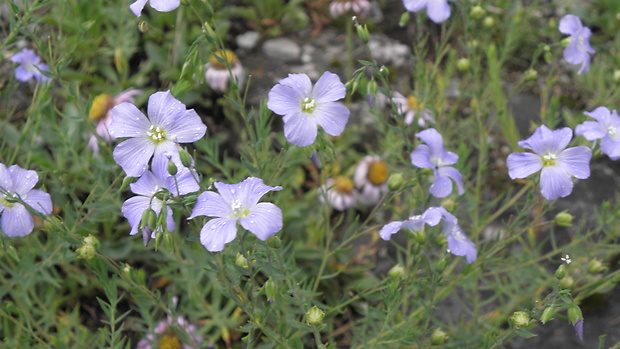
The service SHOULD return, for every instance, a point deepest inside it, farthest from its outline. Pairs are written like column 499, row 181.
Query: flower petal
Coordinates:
column 133, row 155
column 576, row 161
column 590, row 130
column 332, row 117
column 585, row 65
column 600, row 114
column 389, row 229
column 6, row 181
column 133, row 209
column 438, row 10
column 455, row 175
column 300, row 129
column 421, row 157
column 284, row 100
column 188, row 128
column 165, row 5
column 573, row 55
column 441, row 187
column 299, row 83
column 555, row 183
column 128, row 121
column 415, row 5
column 611, row 148
column 164, row 110
column 217, row 233
column 147, row 185
column 264, row 220
column 329, row 88
column 17, row 221
column 432, row 216
column 545, row 140
column 251, row 190
column 211, row 204
column 460, row 245
column 39, row 200
column 570, row 25
column 137, row 7
column 433, row 139
column 521, row 165
column 23, row 180
column 22, row 74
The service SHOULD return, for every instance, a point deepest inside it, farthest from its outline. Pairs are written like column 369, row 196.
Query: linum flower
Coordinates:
column 359, row 7
column 433, row 155
column 153, row 190
column 30, row 66
column 578, row 50
column 305, row 107
column 550, row 155
column 168, row 124
column 101, row 114
column 410, row 107
column 437, row 10
column 458, row 243
column 237, row 203
column 165, row 335
column 217, row 74
column 159, row 5
column 17, row 183
column 606, row 127
column 371, row 175
column 432, row 217
column 339, row 193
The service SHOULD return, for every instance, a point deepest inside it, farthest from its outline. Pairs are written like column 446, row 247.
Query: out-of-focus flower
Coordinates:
column 17, row 183
column 437, row 10
column 410, row 107
column 370, row 178
column 217, row 75
column 165, row 336
column 359, row 7
column 151, row 190
column 550, row 155
column 101, row 114
column 340, row 193
column 168, row 124
column 606, row 126
column 432, row 217
column 237, row 203
column 578, row 327
column 458, row 243
column 578, row 50
column 30, row 66
column 305, row 107
column 159, row 5
column 433, row 155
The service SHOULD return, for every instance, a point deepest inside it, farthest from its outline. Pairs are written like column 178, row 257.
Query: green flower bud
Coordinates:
column 553, row 23
column 127, row 270
column 520, row 319
column 477, row 12
column 92, row 241
column 441, row 265
column 315, row 316
column 127, row 181
column 395, row 181
column 595, row 266
column 566, row 41
column 563, row 219
column 86, row 252
column 617, row 75
column 372, row 88
column 384, row 71
column 172, row 168
column 548, row 57
column 404, row 19
column 270, row 290
column 274, row 242
column 560, row 272
column 574, row 313
column 362, row 32
column 463, row 64
column 438, row 337
column 419, row 236
column 547, row 315
column 396, row 272
column 146, row 219
column 441, row 240
column 241, row 261
column 186, row 159
column 52, row 224
column 449, row 204
column 530, row 75
column 567, row 282
column 488, row 22
column 143, row 27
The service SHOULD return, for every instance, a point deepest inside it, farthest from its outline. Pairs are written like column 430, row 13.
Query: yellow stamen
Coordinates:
column 170, row 341
column 101, row 105
column 223, row 55
column 377, row 172
column 414, row 104
column 343, row 185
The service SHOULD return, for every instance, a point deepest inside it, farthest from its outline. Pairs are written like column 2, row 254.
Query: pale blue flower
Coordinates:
column 578, row 50
column 437, row 10
column 159, row 5
column 606, row 127
column 432, row 217
column 30, row 66
column 458, row 243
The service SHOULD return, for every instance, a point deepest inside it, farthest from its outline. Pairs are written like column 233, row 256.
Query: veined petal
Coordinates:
column 252, row 189
column 601, row 114
column 432, row 216
column 576, row 161
column 23, row 180
column 188, row 128
column 590, row 130
column 133, row 209
column 545, row 140
column 6, row 182
column 148, row 184
column 22, row 74
column 128, row 121
column 284, row 100
column 415, row 5
column 17, row 221
column 433, row 139
column 421, row 157
column 299, row 83
column 455, row 175
column 441, row 187
column 329, row 88
column 39, row 200
column 165, row 5
column 332, row 117
column 573, row 55
column 170, row 225
column 570, row 25
column 555, row 183
column 264, row 220
column 585, row 65
column 137, row 7
column 460, row 245
column 611, row 148
column 438, row 10
column 164, row 110
column 300, row 129
column 211, row 204
column 448, row 158
column 217, row 233
column 184, row 182
column 521, row 165
column 133, row 155
column 390, row 229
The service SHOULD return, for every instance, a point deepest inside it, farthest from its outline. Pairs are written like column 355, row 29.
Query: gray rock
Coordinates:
column 282, row 49
column 248, row 40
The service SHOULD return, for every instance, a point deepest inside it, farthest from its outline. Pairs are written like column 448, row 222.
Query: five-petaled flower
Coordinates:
column 154, row 190
column 410, row 107
column 359, row 7
column 159, row 5
column 16, row 184
column 606, row 126
column 216, row 73
column 305, row 107
column 437, row 10
column 578, row 50
column 371, row 175
column 339, row 192
column 433, row 155
column 169, row 123
column 237, row 203
column 165, row 335
column 432, row 217
column 29, row 67
column 557, row 163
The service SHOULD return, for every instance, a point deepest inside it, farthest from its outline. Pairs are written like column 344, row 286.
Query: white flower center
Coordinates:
column 308, row 105
column 238, row 211
column 612, row 132
column 156, row 134
column 549, row 159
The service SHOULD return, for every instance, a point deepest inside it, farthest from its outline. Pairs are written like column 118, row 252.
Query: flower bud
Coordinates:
column 270, row 290
column 419, row 236
column 547, row 315
column 477, row 12
column 384, row 71
column 127, row 181
column 362, row 32
column 186, row 159
column 441, row 265
column 520, row 319
column 463, row 64
column 143, row 27
column 92, row 241
column 449, row 204
column 488, row 22
column 86, row 252
column 441, row 240
column 372, row 88
column 126, row 270
column 617, row 75
column 147, row 219
column 574, row 313
column 395, row 181
column 315, row 316
column 158, row 238
column 241, row 261
column 396, row 272
column 563, row 219
column 530, row 75
column 274, row 241
column 560, row 272
column 404, row 19
column 172, row 168
column 567, row 282
column 566, row 41
column 438, row 337
column 595, row 266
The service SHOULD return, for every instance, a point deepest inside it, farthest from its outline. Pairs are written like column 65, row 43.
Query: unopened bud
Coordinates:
column 384, row 71
column 274, row 241
column 143, row 27
column 315, row 316
column 172, row 168
column 574, row 313
column 530, row 75
column 547, row 315
column 145, row 221
column 404, row 19
column 441, row 265
column 92, row 241
column 396, row 272
column 241, row 261
column 560, row 272
column 449, row 204
column 520, row 319
column 395, row 181
column 419, row 236
column 488, row 22
column 86, row 252
column 362, row 32
column 127, row 181
column 270, row 290
column 441, row 240
column 463, row 64
column 438, row 337
column 477, row 12
column 186, row 159
column 567, row 282
column 372, row 88
column 563, row 219
column 617, row 75
column 566, row 41
column 595, row 266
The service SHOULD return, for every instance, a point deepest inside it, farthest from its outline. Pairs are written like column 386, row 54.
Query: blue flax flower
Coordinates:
column 432, row 217
column 30, row 66
column 152, row 189
column 237, row 203
column 305, row 107
column 578, row 50
column 17, row 183
column 437, row 10
column 550, row 155
column 606, row 127
column 159, row 5
column 168, row 124
column 433, row 155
